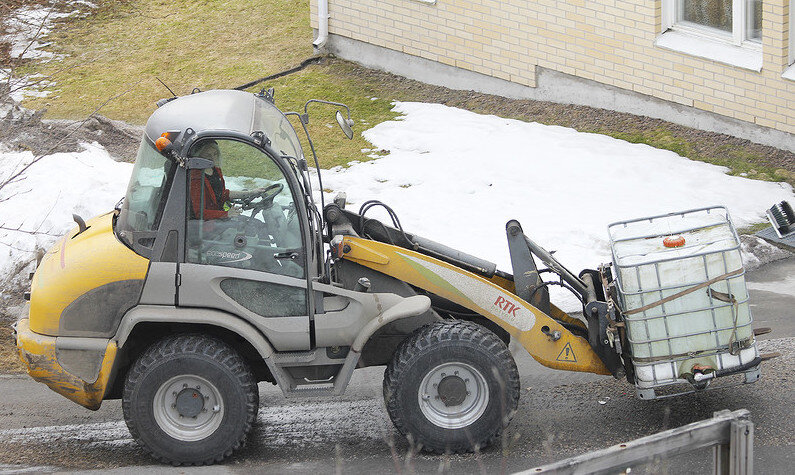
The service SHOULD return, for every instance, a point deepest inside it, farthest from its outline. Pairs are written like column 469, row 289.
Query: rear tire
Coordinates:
column 190, row 400
column 452, row 387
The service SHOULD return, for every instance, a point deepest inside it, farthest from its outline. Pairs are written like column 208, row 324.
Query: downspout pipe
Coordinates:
column 322, row 24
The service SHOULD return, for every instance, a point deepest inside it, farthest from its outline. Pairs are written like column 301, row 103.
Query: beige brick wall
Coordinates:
column 609, row 41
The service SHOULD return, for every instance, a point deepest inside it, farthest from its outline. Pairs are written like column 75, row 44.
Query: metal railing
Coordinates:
column 731, row 434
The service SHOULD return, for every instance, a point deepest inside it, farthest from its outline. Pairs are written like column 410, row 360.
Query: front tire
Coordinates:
column 190, row 400
column 452, row 387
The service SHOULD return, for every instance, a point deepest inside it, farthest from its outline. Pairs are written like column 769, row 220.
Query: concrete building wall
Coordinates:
column 610, row 42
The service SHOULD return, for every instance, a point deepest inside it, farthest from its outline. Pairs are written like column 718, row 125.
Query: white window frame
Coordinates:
column 736, row 37
column 789, row 73
column 792, row 32
column 710, row 43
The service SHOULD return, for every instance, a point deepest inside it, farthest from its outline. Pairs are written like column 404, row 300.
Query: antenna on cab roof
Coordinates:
column 166, row 86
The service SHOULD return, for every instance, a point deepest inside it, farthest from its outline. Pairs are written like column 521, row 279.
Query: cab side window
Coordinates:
column 241, row 212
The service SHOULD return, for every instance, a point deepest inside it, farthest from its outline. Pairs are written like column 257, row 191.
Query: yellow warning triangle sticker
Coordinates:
column 567, row 354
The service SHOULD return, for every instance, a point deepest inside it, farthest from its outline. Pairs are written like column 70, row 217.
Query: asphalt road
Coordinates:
column 560, row 414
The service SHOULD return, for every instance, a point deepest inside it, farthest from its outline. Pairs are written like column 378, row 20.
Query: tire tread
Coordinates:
column 210, row 347
column 450, row 330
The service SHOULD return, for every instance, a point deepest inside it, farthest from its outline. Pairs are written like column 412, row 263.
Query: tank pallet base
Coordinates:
column 749, row 376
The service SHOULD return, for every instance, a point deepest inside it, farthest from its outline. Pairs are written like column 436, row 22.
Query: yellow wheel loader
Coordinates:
column 218, row 271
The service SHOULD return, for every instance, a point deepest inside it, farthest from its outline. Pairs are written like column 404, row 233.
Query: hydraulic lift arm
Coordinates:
column 548, row 341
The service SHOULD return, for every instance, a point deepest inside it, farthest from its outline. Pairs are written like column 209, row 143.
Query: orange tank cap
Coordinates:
column 674, row 241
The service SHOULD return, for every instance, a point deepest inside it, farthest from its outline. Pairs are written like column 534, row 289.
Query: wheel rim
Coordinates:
column 188, row 407
column 453, row 395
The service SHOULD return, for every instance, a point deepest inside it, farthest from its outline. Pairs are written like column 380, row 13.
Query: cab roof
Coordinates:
column 218, row 110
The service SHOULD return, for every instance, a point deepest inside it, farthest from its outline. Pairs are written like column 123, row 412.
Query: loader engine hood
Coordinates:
column 85, row 283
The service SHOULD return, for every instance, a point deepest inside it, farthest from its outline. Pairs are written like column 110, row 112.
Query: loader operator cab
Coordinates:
column 227, row 171
column 220, row 188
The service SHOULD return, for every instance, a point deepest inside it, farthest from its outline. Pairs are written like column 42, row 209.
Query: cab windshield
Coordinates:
column 145, row 198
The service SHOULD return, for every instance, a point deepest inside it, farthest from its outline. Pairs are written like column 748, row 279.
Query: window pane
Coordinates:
column 710, row 13
column 281, row 133
column 241, row 212
column 144, row 198
column 754, row 20
column 265, row 298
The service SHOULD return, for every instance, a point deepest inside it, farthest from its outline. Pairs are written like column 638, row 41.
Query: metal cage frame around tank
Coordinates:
column 719, row 349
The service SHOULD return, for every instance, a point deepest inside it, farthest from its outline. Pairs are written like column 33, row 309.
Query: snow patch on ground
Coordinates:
column 37, row 209
column 457, row 177
column 783, row 287
column 26, row 29
column 7, row 468
column 758, row 252
column 26, row 32
column 34, row 85
column 452, row 176
column 99, row 432
column 310, row 423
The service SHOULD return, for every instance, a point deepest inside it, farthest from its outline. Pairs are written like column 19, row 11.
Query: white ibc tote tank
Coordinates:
column 682, row 291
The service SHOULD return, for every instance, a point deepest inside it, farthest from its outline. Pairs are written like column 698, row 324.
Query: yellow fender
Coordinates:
column 76, row 264
column 490, row 298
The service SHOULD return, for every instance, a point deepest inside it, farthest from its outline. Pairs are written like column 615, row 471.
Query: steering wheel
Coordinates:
column 267, row 195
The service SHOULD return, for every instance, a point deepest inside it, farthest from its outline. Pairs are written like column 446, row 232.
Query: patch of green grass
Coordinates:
column 187, row 44
column 660, row 137
column 740, row 161
column 330, row 81
column 754, row 228
column 211, row 44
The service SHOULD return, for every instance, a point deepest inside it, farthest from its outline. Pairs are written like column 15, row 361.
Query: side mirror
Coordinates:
column 345, row 124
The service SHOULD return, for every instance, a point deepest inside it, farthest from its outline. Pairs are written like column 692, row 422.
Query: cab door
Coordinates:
column 245, row 242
